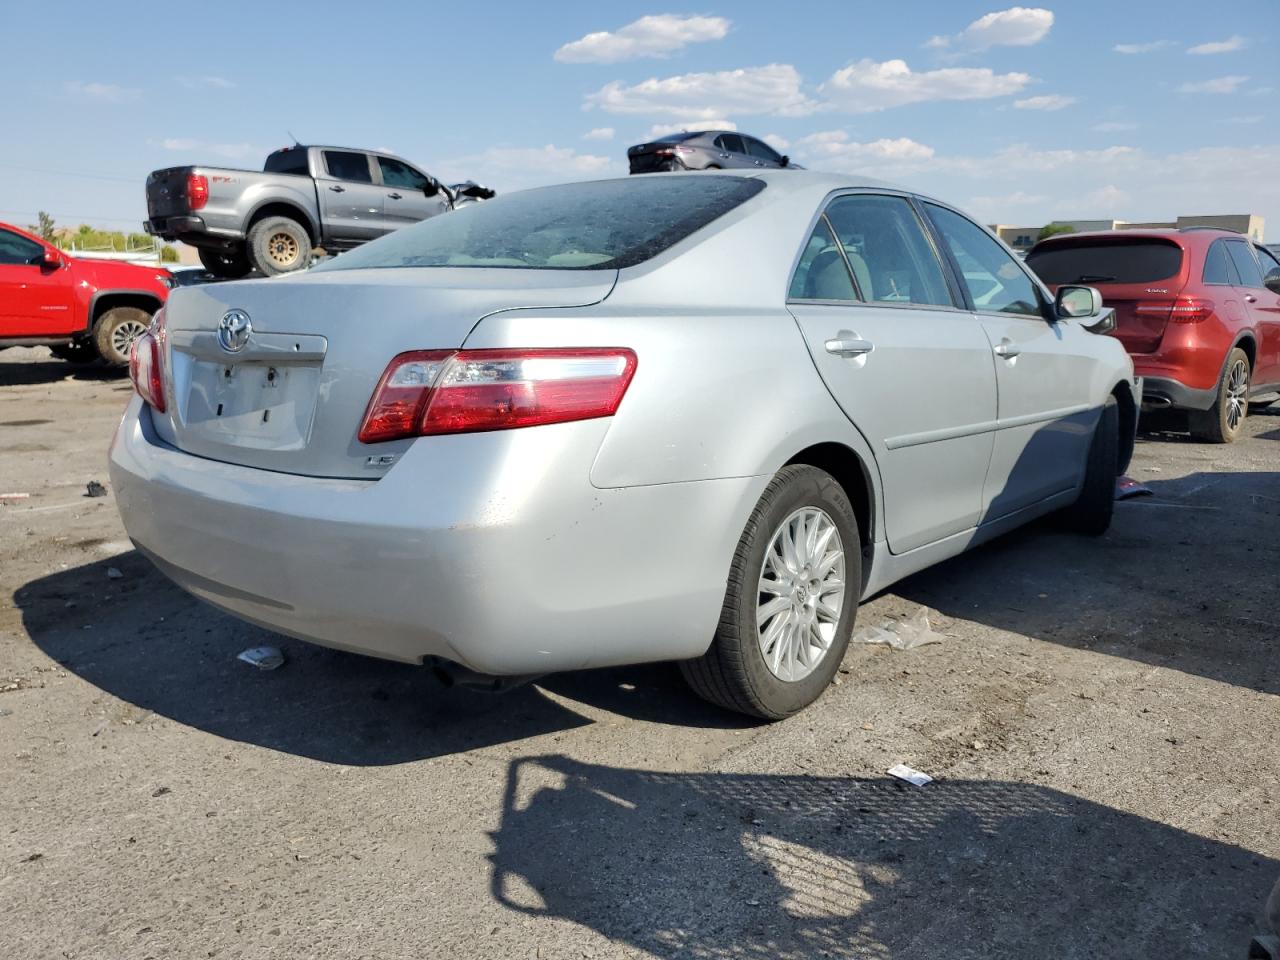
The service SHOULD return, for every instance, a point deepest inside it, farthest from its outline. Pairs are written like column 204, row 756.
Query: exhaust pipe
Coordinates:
column 455, row 675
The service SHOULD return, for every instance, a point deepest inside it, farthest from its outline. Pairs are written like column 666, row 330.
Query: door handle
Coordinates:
column 1007, row 348
column 724, row 156
column 852, row 347
column 1250, row 298
column 337, row 189
column 394, row 196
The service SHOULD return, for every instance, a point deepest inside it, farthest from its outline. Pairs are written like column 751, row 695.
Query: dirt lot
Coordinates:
column 1102, row 721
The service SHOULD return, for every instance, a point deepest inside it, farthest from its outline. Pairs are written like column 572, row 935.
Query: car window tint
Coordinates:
column 892, row 259
column 348, row 166
column 731, row 142
column 1246, row 266
column 1089, row 260
column 822, row 273
column 1267, row 259
column 397, row 174
column 1217, row 265
column 761, row 150
column 995, row 281
column 288, row 160
column 600, row 225
column 15, row 249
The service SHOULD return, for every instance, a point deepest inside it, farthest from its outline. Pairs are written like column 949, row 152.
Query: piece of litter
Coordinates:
column 264, row 658
column 160, row 791
column 14, row 496
column 113, row 573
column 903, row 772
column 1127, row 487
column 901, row 634
column 94, row 489
column 5, row 712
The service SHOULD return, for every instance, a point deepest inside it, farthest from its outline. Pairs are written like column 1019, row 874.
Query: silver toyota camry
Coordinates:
column 694, row 417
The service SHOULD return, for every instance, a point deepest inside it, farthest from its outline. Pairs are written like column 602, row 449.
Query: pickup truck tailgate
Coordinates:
column 167, row 192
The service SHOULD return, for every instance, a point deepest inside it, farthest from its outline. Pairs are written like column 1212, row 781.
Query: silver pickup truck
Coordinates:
column 305, row 197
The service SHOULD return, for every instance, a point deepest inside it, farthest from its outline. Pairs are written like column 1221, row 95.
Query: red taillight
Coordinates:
column 1180, row 310
column 145, row 370
column 672, row 151
column 197, row 190
column 433, row 392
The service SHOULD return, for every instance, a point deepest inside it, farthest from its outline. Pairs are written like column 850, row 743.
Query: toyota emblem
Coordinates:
column 233, row 331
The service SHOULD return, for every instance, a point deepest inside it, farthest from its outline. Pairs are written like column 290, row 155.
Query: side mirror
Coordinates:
column 52, row 258
column 785, row 161
column 1272, row 280
column 432, row 188
column 1077, row 302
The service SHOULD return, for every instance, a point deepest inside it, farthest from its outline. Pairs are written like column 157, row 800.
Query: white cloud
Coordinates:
column 833, row 150
column 654, row 36
column 1049, row 101
column 772, row 89
column 775, row 141
column 868, row 86
column 997, row 203
column 1114, row 126
column 1015, row 27
column 220, row 83
column 1230, row 45
column 662, row 129
column 105, row 92
column 599, row 133
column 513, row 168
column 1148, row 47
column 1105, row 200
column 1217, row 85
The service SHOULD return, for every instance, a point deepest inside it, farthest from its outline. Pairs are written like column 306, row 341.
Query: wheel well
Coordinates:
column 283, row 210
column 1250, row 350
column 1128, row 410
column 109, row 301
column 851, row 473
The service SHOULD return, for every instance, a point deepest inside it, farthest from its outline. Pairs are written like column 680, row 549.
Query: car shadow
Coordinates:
column 53, row 370
column 723, row 865
column 1185, row 579
column 145, row 641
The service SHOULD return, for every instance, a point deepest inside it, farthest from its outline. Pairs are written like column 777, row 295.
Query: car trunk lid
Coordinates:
column 290, row 394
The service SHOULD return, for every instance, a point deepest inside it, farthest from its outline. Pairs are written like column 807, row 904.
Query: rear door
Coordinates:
column 911, row 369
column 351, row 202
column 404, row 193
column 1263, row 308
column 35, row 300
column 1045, row 419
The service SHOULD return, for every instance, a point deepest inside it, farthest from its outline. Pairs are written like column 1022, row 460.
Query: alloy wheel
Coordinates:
column 283, row 249
column 800, row 594
column 1237, row 393
column 124, row 334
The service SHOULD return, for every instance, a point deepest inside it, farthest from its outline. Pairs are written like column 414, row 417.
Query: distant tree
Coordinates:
column 168, row 255
column 44, row 229
column 1053, row 229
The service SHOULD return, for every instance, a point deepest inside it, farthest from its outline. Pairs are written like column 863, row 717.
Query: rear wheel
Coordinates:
column 279, row 245
column 1224, row 421
column 228, row 264
column 790, row 603
column 115, row 331
column 1091, row 513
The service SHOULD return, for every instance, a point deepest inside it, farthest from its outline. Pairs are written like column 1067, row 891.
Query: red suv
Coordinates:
column 1197, row 309
column 86, row 310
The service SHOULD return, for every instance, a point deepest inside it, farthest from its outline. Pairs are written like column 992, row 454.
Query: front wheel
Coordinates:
column 1092, row 511
column 115, row 331
column 1224, row 421
column 790, row 603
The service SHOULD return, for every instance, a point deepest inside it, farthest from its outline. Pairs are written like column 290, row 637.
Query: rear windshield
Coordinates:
column 287, row 161
column 1132, row 261
column 678, row 137
column 604, row 225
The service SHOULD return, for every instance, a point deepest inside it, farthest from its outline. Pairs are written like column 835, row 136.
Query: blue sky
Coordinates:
column 1022, row 114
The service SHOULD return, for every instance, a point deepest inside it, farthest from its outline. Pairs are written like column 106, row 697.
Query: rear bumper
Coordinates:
column 191, row 229
column 1166, row 393
column 502, row 558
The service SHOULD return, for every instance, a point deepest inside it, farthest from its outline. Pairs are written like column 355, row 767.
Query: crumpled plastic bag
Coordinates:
column 907, row 634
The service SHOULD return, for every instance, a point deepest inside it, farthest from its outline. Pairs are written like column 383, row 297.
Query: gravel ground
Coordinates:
column 1101, row 718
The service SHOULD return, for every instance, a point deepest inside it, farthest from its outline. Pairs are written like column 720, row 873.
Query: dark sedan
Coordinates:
column 705, row 150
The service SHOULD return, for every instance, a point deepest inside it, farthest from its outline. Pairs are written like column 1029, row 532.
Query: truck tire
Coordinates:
column 228, row 264
column 115, row 331
column 279, row 245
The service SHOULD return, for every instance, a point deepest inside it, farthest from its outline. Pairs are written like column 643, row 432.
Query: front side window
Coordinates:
column 992, row 276
column 822, row 273
column 602, row 225
column 347, row 166
column 397, row 174
column 885, row 243
column 731, row 142
column 761, row 151
column 15, row 249
column 1217, row 265
column 1246, row 266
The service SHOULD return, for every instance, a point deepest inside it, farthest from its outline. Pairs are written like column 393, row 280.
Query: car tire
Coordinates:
column 1224, row 421
column 227, row 264
column 79, row 352
column 115, row 331
column 1092, row 511
column 734, row 672
column 279, row 245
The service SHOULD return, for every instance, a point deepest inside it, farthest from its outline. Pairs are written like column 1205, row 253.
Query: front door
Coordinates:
column 404, row 189
column 1043, row 375
column 1263, row 307
column 912, row 370
column 36, row 300
column 352, row 203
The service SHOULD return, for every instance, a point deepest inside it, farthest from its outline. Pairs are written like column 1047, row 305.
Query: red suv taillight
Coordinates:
column 1179, row 310
column 197, row 190
column 145, row 364
column 443, row 391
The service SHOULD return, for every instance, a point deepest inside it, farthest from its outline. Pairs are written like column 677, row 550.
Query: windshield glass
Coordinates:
column 604, row 225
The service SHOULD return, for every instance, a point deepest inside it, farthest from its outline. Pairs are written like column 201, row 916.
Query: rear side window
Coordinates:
column 292, row 160
column 1217, row 265
column 1108, row 261
column 1246, row 266
column 603, row 225
column 887, row 249
column 348, row 166
column 822, row 273
column 995, row 281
